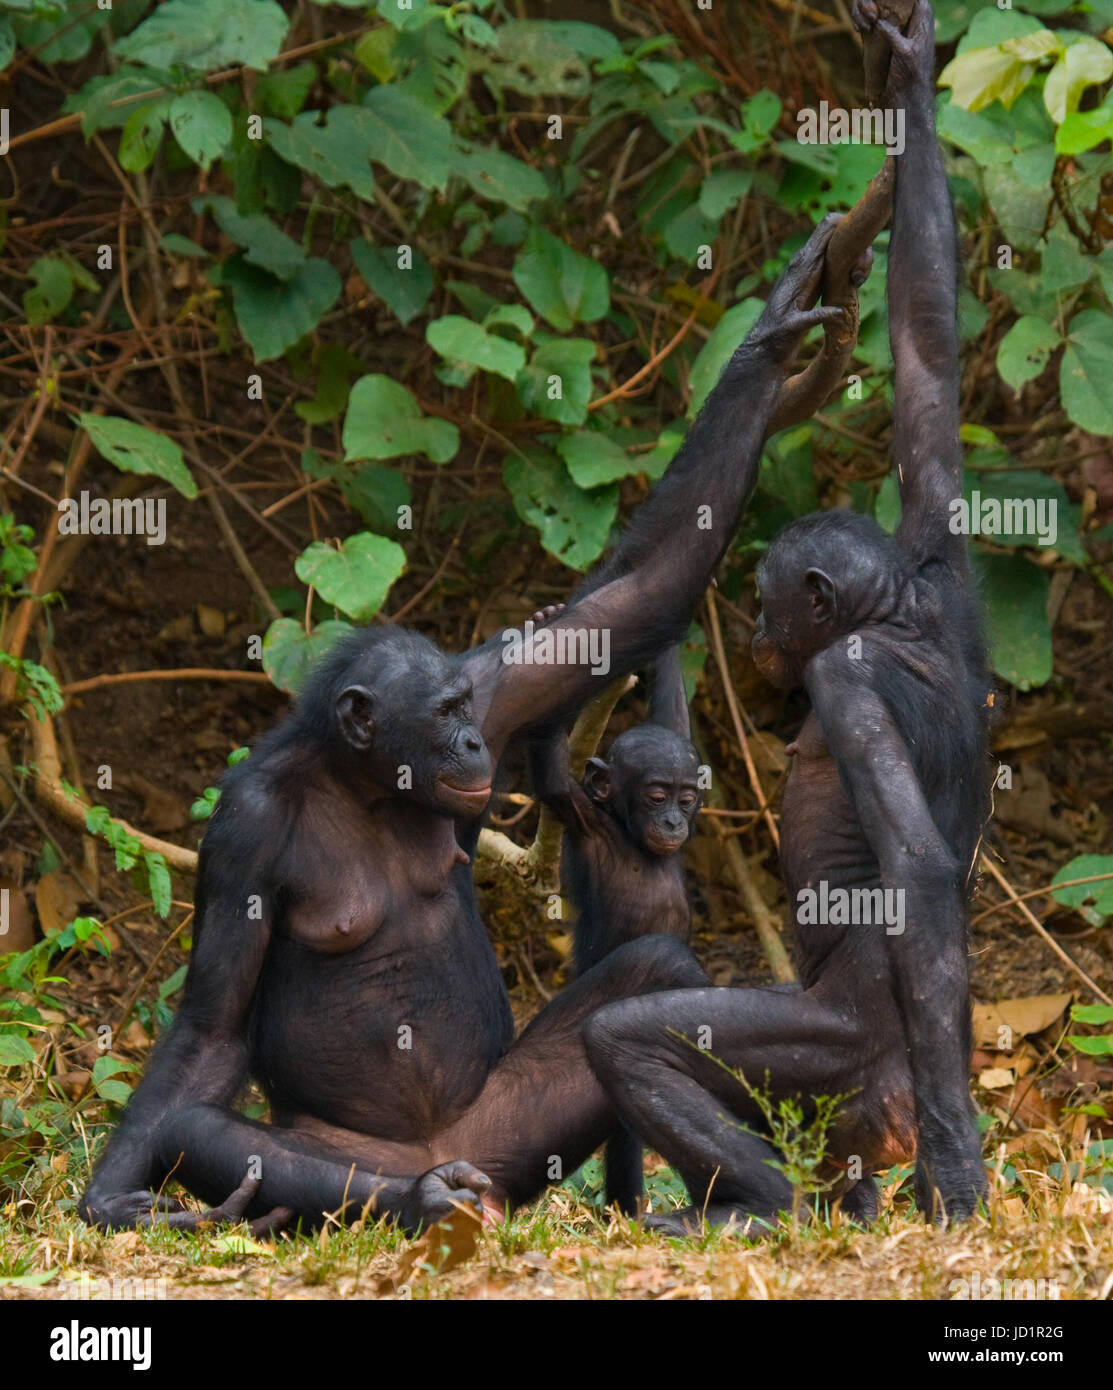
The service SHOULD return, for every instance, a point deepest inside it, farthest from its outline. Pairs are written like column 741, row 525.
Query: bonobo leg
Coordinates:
column 659, row 1059
column 279, row 1175
column 542, row 1111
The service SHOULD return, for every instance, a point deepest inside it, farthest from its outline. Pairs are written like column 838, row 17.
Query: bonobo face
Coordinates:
column 416, row 728
column 650, row 784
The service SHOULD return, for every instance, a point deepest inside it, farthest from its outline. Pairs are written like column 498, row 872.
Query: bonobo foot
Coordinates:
column 440, row 1191
column 127, row 1210
column 696, row 1221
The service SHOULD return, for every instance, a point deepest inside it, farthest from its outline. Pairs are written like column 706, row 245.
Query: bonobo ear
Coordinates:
column 821, row 587
column 353, row 712
column 597, row 779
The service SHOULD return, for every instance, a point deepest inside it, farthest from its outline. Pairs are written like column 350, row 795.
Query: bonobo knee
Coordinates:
column 608, row 1033
column 657, row 962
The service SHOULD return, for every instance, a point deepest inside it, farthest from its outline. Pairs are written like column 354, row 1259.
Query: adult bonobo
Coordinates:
column 339, row 957
column 624, row 823
column 882, row 810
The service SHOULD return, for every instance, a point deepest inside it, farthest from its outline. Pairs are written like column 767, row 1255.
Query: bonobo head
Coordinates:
column 822, row 577
column 649, row 783
column 396, row 714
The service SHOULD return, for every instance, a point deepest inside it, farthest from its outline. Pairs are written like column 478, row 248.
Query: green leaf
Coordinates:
column 377, row 493
column 94, row 101
column 173, row 982
column 1021, row 211
column 1092, row 1013
column 716, row 352
column 1093, row 1047
column 1086, row 62
column 1024, row 350
column 52, row 291
column 205, row 35
column 1065, row 265
column 273, row 314
column 338, row 152
column 158, row 881
column 283, row 93
column 15, row 1050
column 594, row 458
column 531, row 59
column 266, row 245
column 178, row 245
column 404, row 291
column 7, row 43
column 556, row 385
column 1079, row 895
column 135, row 449
column 494, row 174
column 357, row 577
column 1082, row 130
column 403, row 135
column 202, row 125
column 564, row 286
column 106, row 1066
column 119, row 1092
column 1086, row 371
column 1015, row 592
column 574, row 525
column 719, row 192
column 290, row 653
column 458, row 339
column 385, row 421
column 335, row 365
column 982, row 75
column 142, row 134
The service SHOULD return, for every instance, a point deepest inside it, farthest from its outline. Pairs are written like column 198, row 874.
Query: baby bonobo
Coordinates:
column 624, row 824
column 883, row 806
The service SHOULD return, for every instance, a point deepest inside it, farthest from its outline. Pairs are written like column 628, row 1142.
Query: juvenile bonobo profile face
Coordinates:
column 406, row 712
column 650, row 784
column 821, row 577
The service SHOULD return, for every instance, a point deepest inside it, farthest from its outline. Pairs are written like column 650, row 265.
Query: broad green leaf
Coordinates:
column 335, row 367
column 52, row 291
column 7, row 43
column 588, row 40
column 95, row 99
column 289, row 653
column 202, row 125
column 384, row 421
column 573, row 525
column 1033, row 47
column 338, row 151
column 727, row 334
column 1082, row 130
column 531, row 59
column 594, row 458
column 458, row 339
column 1024, row 350
column 135, row 449
column 15, row 1050
column 494, row 174
column 265, row 245
column 404, row 291
column 688, row 231
column 515, row 316
column 142, row 134
column 982, row 75
column 1014, row 592
column 1065, row 265
column 973, row 132
column 403, row 135
column 1022, row 495
column 1086, row 62
column 556, row 384
column 273, row 314
column 720, row 191
column 1021, row 211
column 1087, row 370
column 283, row 92
column 376, row 492
column 205, row 35
column 178, row 245
column 1100, row 894
column 564, row 286
column 357, row 577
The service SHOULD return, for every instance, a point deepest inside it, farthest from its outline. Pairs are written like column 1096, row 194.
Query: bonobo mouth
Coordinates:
column 473, row 797
column 662, row 846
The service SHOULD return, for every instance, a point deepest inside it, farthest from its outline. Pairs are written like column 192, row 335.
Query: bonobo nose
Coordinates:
column 473, row 743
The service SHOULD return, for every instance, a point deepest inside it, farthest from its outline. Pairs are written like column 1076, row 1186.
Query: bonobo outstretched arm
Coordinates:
column 922, row 294
column 668, row 703
column 643, row 597
column 928, row 956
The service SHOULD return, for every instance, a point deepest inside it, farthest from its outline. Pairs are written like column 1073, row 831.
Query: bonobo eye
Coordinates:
column 687, row 800
column 657, row 795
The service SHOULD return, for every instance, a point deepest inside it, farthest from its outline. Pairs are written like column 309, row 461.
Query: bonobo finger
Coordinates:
column 863, row 15
column 825, row 314
column 460, row 1173
column 232, row 1208
column 895, row 39
column 862, row 267
column 271, row 1224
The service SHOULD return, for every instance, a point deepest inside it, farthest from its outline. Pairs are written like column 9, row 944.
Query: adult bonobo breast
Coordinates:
column 625, row 823
column 883, row 806
column 339, row 956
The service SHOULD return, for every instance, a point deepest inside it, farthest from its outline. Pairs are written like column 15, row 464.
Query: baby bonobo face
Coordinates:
column 650, row 783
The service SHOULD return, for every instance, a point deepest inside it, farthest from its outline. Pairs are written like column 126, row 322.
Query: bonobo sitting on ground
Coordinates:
column 624, row 824
column 339, row 957
column 882, row 811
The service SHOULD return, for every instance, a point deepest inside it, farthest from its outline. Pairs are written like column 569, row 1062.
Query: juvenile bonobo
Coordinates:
column 882, row 810
column 339, row 956
column 624, row 824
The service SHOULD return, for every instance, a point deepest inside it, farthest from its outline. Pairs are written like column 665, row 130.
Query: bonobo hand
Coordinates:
column 912, row 60
column 789, row 311
column 121, row 1211
column 437, row 1194
column 544, row 614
